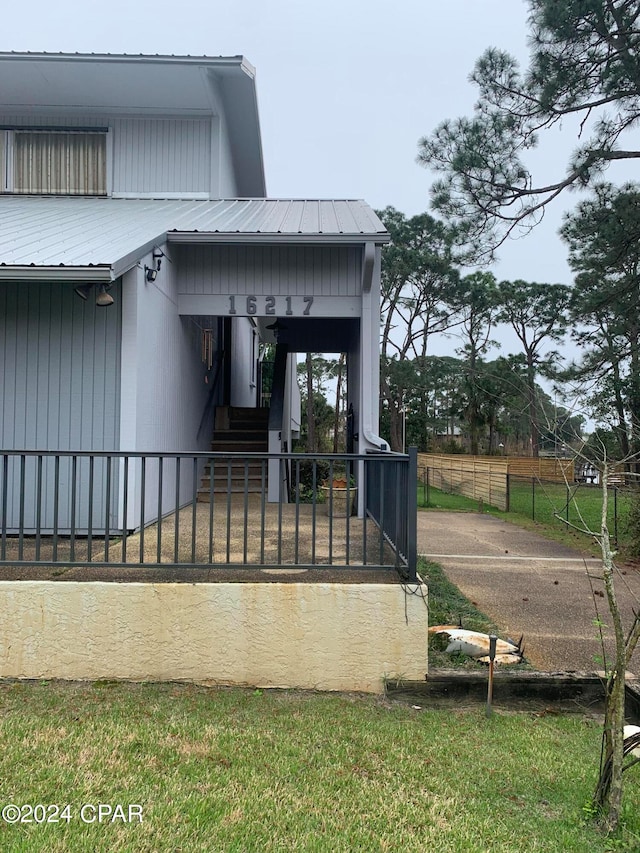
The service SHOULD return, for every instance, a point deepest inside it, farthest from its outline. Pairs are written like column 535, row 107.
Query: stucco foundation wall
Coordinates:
column 322, row 636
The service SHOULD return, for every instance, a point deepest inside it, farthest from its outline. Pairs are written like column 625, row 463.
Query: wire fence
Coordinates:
column 576, row 505
column 570, row 504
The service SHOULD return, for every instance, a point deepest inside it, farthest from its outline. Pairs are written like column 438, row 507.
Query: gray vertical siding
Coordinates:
column 288, row 270
column 149, row 155
column 165, row 385
column 59, row 390
column 59, row 369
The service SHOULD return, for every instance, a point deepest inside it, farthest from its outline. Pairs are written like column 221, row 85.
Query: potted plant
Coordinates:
column 337, row 492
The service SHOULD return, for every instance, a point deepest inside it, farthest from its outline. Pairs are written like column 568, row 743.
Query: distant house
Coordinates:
column 141, row 266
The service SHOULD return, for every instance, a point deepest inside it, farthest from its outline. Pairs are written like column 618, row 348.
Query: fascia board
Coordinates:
column 243, row 122
column 125, row 58
column 264, row 239
column 126, row 262
column 57, row 273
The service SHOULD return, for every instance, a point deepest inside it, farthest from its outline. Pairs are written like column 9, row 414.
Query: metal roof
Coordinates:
column 100, row 238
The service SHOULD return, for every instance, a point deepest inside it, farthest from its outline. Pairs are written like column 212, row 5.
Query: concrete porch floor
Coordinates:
column 250, row 542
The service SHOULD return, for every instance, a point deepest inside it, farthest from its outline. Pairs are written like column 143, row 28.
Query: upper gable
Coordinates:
column 145, row 126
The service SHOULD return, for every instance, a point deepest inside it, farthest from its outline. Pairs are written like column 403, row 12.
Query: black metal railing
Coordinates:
column 391, row 501
column 203, row 510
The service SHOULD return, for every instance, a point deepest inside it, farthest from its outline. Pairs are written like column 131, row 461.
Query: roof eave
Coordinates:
column 29, row 272
column 236, row 60
column 192, row 237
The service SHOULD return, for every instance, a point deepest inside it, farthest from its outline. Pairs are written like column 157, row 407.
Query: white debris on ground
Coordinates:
column 453, row 639
column 629, row 732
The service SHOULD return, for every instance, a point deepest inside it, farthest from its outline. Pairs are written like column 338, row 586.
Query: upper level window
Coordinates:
column 53, row 162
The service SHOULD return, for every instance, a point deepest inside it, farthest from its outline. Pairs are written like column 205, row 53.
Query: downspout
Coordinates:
column 368, row 271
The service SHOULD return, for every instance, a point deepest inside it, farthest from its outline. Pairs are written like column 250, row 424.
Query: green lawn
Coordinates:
column 435, row 499
column 244, row 770
column 581, row 505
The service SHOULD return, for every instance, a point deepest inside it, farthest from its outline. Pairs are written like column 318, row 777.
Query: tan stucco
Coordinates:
column 308, row 635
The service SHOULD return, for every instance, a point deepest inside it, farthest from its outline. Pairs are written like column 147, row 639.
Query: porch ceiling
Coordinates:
column 99, row 239
column 311, row 334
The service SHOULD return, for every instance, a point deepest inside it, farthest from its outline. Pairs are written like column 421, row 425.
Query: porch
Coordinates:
column 149, row 516
column 231, row 591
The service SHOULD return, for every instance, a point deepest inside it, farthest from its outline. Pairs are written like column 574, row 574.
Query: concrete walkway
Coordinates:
column 528, row 585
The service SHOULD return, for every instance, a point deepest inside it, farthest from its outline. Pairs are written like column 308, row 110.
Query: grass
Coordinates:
column 581, row 505
column 247, row 770
column 447, row 605
column 445, row 500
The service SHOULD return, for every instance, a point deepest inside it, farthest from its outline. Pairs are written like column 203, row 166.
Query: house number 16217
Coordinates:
column 265, row 306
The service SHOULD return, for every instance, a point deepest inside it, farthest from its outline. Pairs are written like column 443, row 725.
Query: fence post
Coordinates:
column 533, row 498
column 507, row 501
column 412, row 516
column 615, row 516
column 428, row 487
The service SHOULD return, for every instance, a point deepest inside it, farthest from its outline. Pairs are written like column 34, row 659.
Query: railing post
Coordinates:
column 5, row 507
column 412, row 515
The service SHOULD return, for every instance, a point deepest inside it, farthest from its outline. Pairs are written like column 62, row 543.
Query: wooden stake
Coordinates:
column 492, row 653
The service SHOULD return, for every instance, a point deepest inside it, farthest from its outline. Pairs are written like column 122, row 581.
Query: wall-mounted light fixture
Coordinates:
column 276, row 328
column 83, row 290
column 103, row 299
column 151, row 273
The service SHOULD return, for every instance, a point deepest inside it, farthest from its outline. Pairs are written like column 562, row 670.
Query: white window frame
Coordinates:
column 6, row 161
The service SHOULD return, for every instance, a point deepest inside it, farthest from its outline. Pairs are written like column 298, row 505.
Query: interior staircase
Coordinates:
column 236, row 430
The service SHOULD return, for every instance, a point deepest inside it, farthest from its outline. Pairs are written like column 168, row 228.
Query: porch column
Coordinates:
column 276, row 422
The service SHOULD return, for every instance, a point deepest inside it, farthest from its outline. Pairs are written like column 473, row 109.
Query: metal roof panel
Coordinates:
column 83, row 232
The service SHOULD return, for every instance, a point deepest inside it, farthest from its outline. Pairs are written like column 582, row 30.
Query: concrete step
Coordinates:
column 260, row 436
column 233, row 446
column 237, row 480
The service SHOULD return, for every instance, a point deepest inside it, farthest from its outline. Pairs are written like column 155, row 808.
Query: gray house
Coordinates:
column 141, row 267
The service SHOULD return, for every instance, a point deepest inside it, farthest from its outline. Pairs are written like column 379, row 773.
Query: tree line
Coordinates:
column 499, row 401
column 425, row 294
